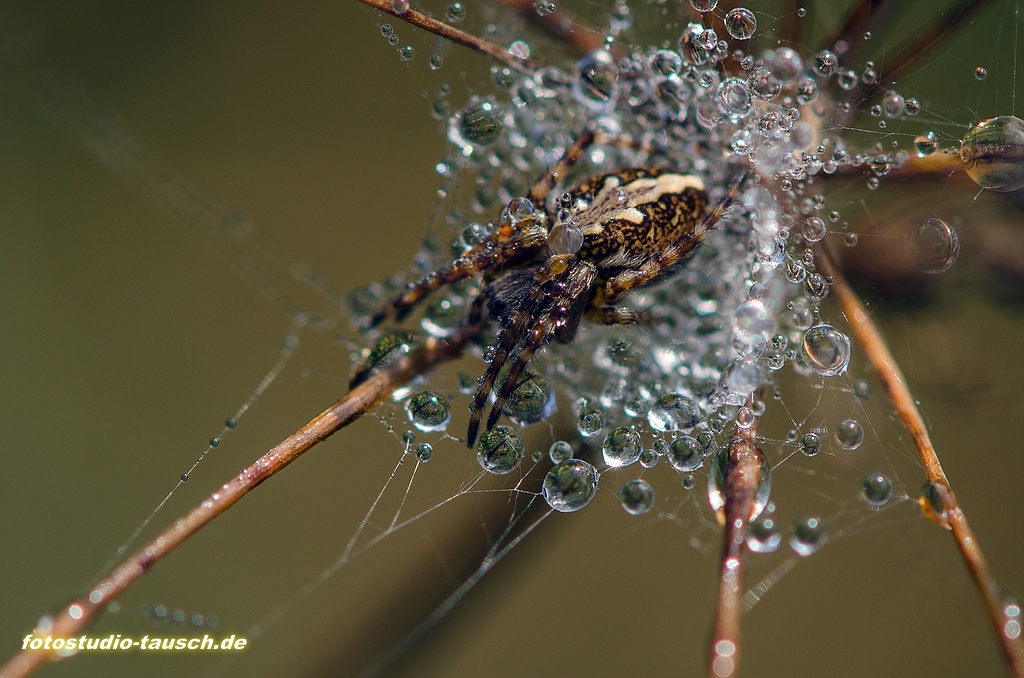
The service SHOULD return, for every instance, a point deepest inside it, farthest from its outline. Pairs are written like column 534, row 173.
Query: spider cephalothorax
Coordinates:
column 612, row 233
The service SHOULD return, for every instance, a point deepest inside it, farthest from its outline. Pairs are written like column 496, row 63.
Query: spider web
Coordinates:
column 145, row 363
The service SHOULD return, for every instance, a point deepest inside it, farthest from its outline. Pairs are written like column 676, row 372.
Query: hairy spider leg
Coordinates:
column 577, row 283
column 509, row 337
column 572, row 155
column 618, row 285
column 520, row 245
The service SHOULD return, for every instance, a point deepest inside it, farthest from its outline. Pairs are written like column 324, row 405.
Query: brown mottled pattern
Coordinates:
column 615, row 243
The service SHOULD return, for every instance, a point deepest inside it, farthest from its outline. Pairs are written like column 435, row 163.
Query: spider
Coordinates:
column 630, row 226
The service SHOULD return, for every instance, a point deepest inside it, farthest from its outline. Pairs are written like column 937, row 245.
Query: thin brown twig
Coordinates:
column 742, row 476
column 72, row 620
column 443, row 30
column 560, row 26
column 903, row 402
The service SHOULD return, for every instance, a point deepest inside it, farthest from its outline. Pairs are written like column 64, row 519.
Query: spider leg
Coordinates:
column 540, row 190
column 510, row 337
column 577, row 284
column 518, row 246
column 618, row 285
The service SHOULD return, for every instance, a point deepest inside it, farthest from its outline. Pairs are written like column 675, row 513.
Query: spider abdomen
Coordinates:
column 631, row 215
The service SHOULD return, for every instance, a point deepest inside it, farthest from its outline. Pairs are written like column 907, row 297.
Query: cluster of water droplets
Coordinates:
column 750, row 301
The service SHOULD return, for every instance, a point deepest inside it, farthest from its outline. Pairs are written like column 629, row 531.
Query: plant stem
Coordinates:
column 443, row 30
column 952, row 515
column 78, row 615
column 742, row 475
column 581, row 39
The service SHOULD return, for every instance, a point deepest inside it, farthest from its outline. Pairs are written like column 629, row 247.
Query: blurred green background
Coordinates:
column 128, row 336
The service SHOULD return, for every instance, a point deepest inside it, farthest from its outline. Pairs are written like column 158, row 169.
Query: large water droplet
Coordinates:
column 763, row 536
column 993, row 153
column 622, row 447
column 570, row 486
column 716, row 483
column 808, row 535
column 637, row 496
column 826, row 350
column 933, row 245
column 590, row 422
column 810, row 444
column 741, row 23
column 734, row 99
column 876, row 489
column 428, row 411
column 388, row 350
column 532, row 400
column 926, row 144
column 560, row 451
column 849, row 434
column 595, row 83
column 500, row 450
column 424, row 451
column 479, row 124
column 685, row 454
column 673, row 412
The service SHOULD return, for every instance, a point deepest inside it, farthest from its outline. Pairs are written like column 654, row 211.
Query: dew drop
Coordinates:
column 932, row 505
column 385, row 352
column 741, row 23
column 532, row 400
column 688, row 482
column 637, row 496
column 980, row 73
column 926, row 144
column 807, row 535
column 400, row 6
column 763, row 536
column 810, row 444
column 455, row 12
column 993, row 153
column 428, row 411
column 594, row 84
column 621, row 447
column 590, row 422
column 673, row 412
column 424, row 451
column 665, row 62
column 734, row 98
column 479, row 123
column 565, row 239
column 716, row 483
column 570, row 485
column 685, row 454
column 814, row 229
column 825, row 63
column 933, row 245
column 406, row 53
column 876, row 489
column 648, row 458
column 500, row 450
column 704, row 5
column 849, row 434
column 826, row 350
column 560, row 451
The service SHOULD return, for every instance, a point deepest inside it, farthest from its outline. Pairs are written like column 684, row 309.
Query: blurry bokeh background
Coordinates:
column 127, row 336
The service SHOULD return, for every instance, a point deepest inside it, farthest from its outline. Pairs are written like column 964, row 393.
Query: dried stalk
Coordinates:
column 77, row 616
column 952, row 514
column 742, row 475
column 441, row 29
column 581, row 39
